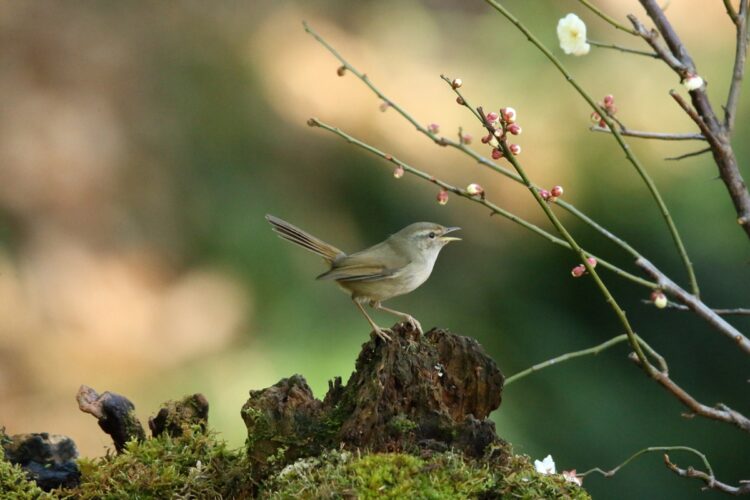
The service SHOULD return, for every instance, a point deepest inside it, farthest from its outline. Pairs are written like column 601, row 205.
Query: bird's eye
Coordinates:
column 432, row 235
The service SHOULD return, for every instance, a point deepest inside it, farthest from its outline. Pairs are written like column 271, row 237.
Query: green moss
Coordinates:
column 400, row 425
column 194, row 465
column 14, row 484
column 398, row 475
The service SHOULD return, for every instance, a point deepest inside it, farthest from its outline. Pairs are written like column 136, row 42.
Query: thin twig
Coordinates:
column 738, row 311
column 314, row 122
column 607, row 18
column 652, row 38
column 711, row 482
column 627, row 50
column 650, row 449
column 695, row 305
column 688, row 155
column 688, row 109
column 730, row 11
column 618, row 137
column 591, row 351
column 738, row 72
column 663, row 136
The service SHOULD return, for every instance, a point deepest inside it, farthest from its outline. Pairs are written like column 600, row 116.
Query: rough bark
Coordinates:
column 415, row 392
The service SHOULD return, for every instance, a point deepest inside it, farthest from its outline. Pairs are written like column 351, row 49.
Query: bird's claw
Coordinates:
column 380, row 332
column 415, row 325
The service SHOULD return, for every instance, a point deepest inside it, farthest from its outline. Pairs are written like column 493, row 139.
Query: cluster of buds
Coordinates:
column 551, row 194
column 659, row 299
column 502, row 124
column 580, row 269
column 608, row 105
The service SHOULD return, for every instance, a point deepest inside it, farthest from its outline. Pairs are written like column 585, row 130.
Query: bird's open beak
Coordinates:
column 448, row 239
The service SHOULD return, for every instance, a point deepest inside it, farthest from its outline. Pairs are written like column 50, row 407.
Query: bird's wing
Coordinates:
column 360, row 267
column 357, row 273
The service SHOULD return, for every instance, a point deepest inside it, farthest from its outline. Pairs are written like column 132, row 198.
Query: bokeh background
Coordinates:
column 141, row 144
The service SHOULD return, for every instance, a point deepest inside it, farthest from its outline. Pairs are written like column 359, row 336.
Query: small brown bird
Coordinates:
column 394, row 267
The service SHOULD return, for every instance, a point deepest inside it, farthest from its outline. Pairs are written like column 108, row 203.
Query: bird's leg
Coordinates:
column 407, row 317
column 379, row 331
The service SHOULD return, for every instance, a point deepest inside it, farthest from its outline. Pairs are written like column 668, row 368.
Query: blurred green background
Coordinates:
column 141, row 143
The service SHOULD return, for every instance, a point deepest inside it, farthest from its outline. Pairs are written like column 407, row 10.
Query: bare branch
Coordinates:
column 738, row 311
column 652, row 38
column 740, row 55
column 663, row 136
column 730, row 11
column 711, row 482
column 650, row 449
column 606, row 18
column 591, row 351
column 688, row 155
column 695, row 305
column 627, row 50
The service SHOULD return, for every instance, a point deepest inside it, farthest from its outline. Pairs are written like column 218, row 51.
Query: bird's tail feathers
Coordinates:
column 305, row 240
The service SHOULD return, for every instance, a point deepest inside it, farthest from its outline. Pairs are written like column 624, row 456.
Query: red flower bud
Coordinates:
column 578, row 271
column 515, row 149
column 556, row 191
column 496, row 154
column 442, row 197
column 514, row 128
column 492, row 116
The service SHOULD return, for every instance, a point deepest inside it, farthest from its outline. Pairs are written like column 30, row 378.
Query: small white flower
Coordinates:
column 546, row 466
column 693, row 82
column 571, row 32
column 571, row 477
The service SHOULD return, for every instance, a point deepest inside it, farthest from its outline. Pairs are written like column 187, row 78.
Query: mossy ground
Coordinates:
column 199, row 465
column 445, row 475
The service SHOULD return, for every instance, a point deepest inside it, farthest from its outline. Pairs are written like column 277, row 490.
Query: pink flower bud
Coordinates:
column 556, row 191
column 398, row 172
column 474, row 189
column 609, row 100
column 456, row 83
column 515, row 149
column 544, row 194
column 509, row 114
column 496, row 154
column 487, row 138
column 466, row 138
column 442, row 197
column 492, row 116
column 578, row 271
column 384, row 106
column 514, row 128
column 659, row 299
column 434, row 128
column 592, row 261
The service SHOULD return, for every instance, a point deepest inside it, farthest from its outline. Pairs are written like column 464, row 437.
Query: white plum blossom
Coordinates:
column 546, row 466
column 571, row 31
column 693, row 82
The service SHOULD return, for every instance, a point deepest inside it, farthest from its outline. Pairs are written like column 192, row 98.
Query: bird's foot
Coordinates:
column 380, row 332
column 415, row 325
